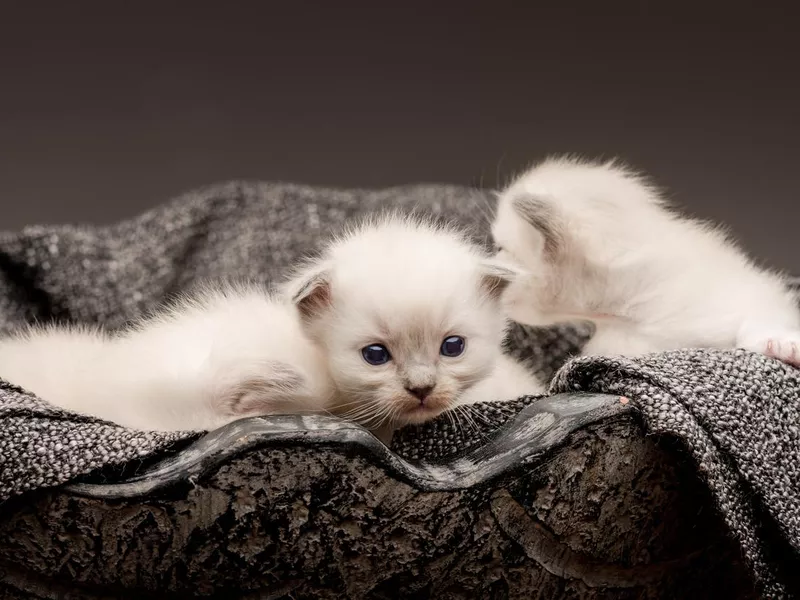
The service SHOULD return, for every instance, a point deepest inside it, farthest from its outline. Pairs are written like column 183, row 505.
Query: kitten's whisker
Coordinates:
column 358, row 405
column 457, row 419
column 474, row 416
column 471, row 409
column 471, row 425
column 449, row 415
column 369, row 421
column 463, row 410
column 360, row 416
column 490, row 208
column 378, row 416
column 391, row 417
column 463, row 413
column 482, row 210
column 386, row 418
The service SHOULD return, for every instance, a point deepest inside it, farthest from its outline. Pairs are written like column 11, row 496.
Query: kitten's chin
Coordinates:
column 418, row 415
column 411, row 412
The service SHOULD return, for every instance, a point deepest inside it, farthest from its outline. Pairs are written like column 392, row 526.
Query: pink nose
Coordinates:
column 420, row 392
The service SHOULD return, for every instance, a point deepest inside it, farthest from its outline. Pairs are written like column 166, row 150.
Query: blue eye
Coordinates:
column 452, row 346
column 376, row 354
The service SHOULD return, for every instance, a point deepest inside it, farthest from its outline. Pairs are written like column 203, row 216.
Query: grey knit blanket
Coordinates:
column 737, row 413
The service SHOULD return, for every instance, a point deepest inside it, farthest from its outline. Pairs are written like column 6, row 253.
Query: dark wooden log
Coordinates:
column 570, row 500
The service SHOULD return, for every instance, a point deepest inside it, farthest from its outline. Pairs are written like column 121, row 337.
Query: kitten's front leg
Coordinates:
column 262, row 388
column 776, row 342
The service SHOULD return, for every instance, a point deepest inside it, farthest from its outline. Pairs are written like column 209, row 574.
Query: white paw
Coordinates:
column 781, row 345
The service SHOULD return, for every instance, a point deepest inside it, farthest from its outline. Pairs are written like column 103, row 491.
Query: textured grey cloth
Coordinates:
column 739, row 415
column 736, row 412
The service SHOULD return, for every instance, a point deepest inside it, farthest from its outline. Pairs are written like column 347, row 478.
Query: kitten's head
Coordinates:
column 568, row 223
column 409, row 315
column 527, row 231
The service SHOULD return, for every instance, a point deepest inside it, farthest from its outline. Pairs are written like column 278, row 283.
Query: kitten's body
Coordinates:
column 601, row 245
column 226, row 353
column 408, row 286
column 209, row 359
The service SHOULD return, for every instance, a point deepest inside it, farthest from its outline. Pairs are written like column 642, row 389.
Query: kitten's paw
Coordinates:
column 262, row 388
column 781, row 345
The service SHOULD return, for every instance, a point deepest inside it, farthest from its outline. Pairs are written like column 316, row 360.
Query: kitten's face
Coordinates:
column 410, row 318
column 407, row 363
column 552, row 224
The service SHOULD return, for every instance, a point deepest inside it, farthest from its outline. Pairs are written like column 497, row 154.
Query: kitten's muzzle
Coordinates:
column 412, row 409
column 419, row 381
column 420, row 392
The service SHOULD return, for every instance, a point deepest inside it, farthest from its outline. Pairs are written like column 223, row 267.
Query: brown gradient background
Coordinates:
column 106, row 110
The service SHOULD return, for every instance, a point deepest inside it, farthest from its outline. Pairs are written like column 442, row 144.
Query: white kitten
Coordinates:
column 209, row 359
column 601, row 245
column 410, row 317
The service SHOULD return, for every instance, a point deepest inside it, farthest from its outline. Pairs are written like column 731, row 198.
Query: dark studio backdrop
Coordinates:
column 108, row 109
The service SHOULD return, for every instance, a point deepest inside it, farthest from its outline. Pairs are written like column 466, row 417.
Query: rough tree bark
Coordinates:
column 606, row 513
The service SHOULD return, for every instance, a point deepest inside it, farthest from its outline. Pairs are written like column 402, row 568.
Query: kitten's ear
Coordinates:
column 540, row 213
column 311, row 292
column 496, row 276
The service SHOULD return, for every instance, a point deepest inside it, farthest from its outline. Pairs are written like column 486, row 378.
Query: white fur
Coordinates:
column 650, row 279
column 209, row 359
column 508, row 381
column 407, row 284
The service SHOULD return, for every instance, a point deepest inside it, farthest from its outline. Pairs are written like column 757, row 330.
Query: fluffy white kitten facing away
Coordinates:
column 601, row 245
column 409, row 316
column 211, row 358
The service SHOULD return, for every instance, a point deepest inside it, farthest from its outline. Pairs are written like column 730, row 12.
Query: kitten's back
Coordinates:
column 206, row 359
